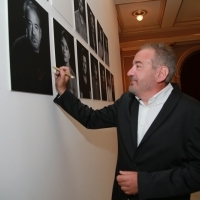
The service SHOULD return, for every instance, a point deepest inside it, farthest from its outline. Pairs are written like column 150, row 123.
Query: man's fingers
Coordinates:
column 126, row 172
column 120, row 178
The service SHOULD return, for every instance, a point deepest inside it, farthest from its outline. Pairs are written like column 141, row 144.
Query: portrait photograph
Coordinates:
column 100, row 41
column 109, row 86
column 64, row 53
column 80, row 18
column 95, row 77
column 106, row 52
column 103, row 82
column 83, row 71
column 113, row 87
column 92, row 29
column 29, row 47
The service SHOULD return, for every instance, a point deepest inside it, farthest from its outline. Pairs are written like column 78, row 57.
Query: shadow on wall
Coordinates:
column 102, row 138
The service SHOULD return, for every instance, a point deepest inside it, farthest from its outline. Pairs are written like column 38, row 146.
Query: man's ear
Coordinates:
column 162, row 73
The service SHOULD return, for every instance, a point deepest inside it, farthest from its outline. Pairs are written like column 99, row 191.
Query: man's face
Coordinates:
column 33, row 30
column 103, row 76
column 95, row 71
column 92, row 23
column 65, row 50
column 84, row 65
column 142, row 75
column 106, row 44
column 80, row 6
column 100, row 36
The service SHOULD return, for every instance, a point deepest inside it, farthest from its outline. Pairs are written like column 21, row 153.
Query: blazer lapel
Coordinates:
column 165, row 111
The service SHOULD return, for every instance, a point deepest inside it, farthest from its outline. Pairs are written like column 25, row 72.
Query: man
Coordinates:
column 158, row 129
column 30, row 69
column 106, row 54
column 100, row 43
column 84, row 79
column 80, row 20
column 95, row 79
column 109, row 86
column 103, row 83
column 113, row 88
column 92, row 31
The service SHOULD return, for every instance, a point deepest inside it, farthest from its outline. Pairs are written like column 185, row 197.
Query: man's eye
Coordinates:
column 29, row 22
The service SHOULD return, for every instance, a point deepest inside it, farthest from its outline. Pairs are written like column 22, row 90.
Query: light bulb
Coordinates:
column 139, row 17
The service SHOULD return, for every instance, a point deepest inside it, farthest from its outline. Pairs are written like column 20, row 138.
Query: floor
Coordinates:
column 195, row 196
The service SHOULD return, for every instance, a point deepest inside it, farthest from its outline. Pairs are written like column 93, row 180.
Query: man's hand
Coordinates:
column 61, row 79
column 128, row 181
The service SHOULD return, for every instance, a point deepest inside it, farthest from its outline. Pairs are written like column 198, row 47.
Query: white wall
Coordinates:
column 44, row 153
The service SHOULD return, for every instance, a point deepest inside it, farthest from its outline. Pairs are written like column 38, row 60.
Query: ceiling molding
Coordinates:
column 170, row 21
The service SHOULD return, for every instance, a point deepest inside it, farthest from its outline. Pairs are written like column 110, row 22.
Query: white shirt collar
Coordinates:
column 160, row 97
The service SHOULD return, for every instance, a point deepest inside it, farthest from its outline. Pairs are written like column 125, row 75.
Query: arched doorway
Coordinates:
column 190, row 75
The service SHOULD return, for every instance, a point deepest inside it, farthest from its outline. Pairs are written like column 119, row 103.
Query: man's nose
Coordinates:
column 131, row 71
column 33, row 30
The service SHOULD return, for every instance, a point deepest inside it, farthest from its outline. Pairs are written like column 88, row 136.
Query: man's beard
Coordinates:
column 144, row 86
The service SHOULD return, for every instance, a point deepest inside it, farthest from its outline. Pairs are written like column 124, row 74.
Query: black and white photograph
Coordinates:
column 65, row 55
column 29, row 47
column 83, row 71
column 103, row 82
column 95, row 77
column 80, row 18
column 92, row 29
column 109, row 86
column 100, row 41
column 113, row 87
column 106, row 52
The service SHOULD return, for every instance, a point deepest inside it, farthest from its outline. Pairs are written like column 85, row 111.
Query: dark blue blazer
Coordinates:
column 167, row 159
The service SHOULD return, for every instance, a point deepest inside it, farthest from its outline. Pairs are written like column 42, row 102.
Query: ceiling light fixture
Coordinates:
column 139, row 14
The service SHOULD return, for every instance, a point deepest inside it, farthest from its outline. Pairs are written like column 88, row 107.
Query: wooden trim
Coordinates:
column 181, row 60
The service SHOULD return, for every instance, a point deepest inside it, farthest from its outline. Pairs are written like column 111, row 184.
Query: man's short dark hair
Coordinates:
column 164, row 55
column 30, row 5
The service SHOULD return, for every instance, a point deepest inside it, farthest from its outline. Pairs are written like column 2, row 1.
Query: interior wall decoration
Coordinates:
column 80, row 18
column 29, row 47
column 109, row 85
column 103, row 82
column 95, row 77
column 92, row 29
column 100, row 40
column 83, row 71
column 113, row 87
column 106, row 51
column 65, row 54
column 30, row 62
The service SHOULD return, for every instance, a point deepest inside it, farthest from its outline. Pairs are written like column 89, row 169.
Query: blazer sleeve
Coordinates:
column 175, row 181
column 91, row 119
